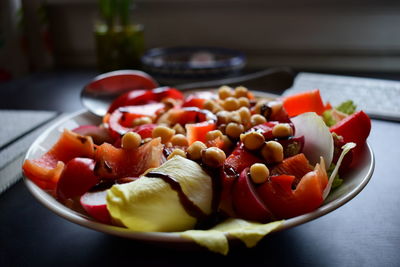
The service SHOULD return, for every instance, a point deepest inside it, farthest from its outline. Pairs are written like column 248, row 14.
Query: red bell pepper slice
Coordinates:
column 142, row 97
column 309, row 101
column 354, row 128
column 121, row 120
column 285, row 202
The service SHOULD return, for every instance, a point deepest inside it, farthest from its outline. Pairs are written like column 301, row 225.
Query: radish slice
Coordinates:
column 318, row 141
column 345, row 149
column 95, row 205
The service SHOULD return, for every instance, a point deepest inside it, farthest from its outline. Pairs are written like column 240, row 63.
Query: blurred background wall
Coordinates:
column 309, row 34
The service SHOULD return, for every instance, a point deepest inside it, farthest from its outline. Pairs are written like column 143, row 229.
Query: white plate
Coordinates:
column 355, row 180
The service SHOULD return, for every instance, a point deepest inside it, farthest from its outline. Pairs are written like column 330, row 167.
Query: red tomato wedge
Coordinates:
column 309, row 101
column 46, row 171
column 284, row 202
column 197, row 131
column 114, row 163
column 44, row 177
column 296, row 165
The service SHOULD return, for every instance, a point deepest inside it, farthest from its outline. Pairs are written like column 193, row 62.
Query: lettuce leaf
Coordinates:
column 215, row 239
column 328, row 118
column 345, row 149
column 348, row 107
column 337, row 181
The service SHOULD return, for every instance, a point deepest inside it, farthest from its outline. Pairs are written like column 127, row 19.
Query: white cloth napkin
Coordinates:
column 19, row 128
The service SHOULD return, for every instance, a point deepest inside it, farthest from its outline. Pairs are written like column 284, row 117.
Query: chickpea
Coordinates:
column 245, row 115
column 142, row 120
column 282, row 130
column 259, row 173
column 223, row 117
column 179, row 140
column 194, row 150
column 177, row 152
column 222, row 128
column 272, row 152
column 244, row 102
column 164, row 132
column 230, row 104
column 227, row 142
column 234, row 116
column 210, row 105
column 234, row 130
column 212, row 135
column 257, row 119
column 224, row 92
column 179, row 129
column 131, row 140
column 217, row 109
column 252, row 140
column 241, row 91
column 213, row 157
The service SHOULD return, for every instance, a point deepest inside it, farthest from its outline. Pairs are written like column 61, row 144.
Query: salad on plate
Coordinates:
column 207, row 165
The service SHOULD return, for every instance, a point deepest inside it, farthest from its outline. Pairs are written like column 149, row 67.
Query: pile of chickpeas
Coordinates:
column 237, row 112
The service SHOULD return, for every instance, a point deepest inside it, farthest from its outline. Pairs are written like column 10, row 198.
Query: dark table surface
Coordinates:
column 363, row 232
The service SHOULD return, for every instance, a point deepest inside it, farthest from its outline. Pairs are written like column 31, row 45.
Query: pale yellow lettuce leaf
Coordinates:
column 215, row 239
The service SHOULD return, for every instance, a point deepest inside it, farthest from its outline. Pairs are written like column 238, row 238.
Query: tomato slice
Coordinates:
column 114, row 163
column 296, row 165
column 197, row 131
column 284, row 202
column 46, row 170
column 309, row 101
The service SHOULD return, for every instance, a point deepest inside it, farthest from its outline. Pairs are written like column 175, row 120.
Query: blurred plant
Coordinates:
column 119, row 42
column 115, row 12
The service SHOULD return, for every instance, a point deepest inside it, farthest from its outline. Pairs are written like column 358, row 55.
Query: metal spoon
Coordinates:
column 98, row 94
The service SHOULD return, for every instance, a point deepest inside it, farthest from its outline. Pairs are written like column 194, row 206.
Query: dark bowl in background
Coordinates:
column 193, row 63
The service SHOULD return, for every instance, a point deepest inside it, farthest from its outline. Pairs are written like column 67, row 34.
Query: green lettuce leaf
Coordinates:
column 328, row 118
column 337, row 181
column 348, row 107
